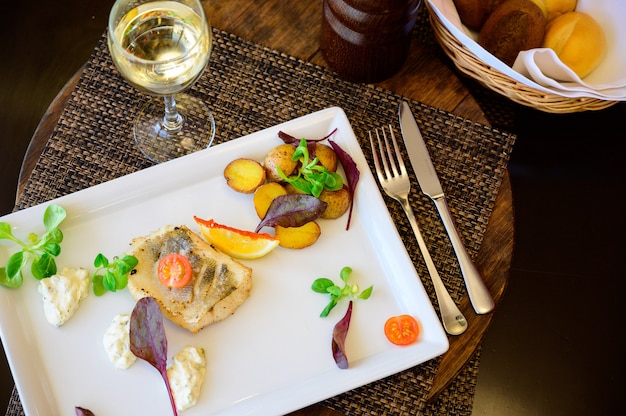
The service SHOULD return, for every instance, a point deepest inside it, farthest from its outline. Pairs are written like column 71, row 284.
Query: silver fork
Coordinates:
column 396, row 184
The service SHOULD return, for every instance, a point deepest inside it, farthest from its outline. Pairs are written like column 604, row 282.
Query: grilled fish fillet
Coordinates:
column 218, row 286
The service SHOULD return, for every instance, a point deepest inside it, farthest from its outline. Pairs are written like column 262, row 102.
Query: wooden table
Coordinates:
column 293, row 28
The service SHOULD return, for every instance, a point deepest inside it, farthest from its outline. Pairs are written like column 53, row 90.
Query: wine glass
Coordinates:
column 161, row 47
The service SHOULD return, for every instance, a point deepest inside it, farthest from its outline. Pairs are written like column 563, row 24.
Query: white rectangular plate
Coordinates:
column 273, row 355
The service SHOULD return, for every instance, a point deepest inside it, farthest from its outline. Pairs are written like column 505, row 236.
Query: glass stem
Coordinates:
column 172, row 121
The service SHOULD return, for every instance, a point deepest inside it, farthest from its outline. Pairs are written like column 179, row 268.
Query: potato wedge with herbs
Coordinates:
column 244, row 175
column 298, row 237
column 280, row 157
column 264, row 195
column 338, row 202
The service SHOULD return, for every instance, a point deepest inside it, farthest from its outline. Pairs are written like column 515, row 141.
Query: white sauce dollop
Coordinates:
column 116, row 342
column 62, row 294
column 186, row 373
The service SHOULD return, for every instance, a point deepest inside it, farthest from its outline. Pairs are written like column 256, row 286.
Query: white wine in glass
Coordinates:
column 162, row 48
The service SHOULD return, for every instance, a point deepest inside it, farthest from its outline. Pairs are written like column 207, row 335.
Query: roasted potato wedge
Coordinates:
column 298, row 237
column 264, row 195
column 338, row 202
column 280, row 157
column 244, row 175
column 292, row 189
column 326, row 156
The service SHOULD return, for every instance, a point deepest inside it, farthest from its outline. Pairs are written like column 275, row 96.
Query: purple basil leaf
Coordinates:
column 329, row 134
column 352, row 174
column 339, row 339
column 310, row 145
column 289, row 139
column 293, row 210
column 83, row 412
column 148, row 340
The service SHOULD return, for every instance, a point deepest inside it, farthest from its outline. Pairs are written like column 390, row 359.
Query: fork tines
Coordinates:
column 388, row 159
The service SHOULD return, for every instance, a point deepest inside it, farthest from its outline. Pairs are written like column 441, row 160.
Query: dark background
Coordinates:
column 555, row 347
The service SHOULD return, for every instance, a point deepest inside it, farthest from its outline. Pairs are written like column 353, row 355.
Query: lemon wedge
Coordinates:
column 239, row 244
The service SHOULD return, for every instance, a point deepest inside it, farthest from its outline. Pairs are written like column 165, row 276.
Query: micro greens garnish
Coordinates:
column 349, row 166
column 326, row 286
column 41, row 250
column 312, row 177
column 111, row 276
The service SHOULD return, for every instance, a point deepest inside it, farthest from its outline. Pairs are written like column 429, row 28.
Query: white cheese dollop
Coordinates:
column 186, row 373
column 116, row 342
column 62, row 294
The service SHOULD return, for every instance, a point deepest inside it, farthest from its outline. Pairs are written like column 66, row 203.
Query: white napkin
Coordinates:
column 542, row 69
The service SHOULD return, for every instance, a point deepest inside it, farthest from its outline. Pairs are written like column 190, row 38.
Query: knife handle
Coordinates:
column 478, row 293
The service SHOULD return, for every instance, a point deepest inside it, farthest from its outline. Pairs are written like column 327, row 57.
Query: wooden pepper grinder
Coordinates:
column 367, row 40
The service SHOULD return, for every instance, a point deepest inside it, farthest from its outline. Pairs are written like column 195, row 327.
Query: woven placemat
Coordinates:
column 249, row 88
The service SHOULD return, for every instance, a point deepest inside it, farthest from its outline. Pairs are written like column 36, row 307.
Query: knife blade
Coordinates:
column 479, row 295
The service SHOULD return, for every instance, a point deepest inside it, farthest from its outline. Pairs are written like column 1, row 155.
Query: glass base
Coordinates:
column 159, row 144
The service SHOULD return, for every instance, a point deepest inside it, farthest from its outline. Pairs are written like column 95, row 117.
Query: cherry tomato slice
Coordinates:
column 402, row 329
column 174, row 270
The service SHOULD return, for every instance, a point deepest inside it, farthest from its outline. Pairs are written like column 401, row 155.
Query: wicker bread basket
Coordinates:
column 472, row 66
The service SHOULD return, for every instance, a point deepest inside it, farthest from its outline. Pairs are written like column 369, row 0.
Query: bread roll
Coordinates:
column 514, row 26
column 473, row 13
column 578, row 41
column 555, row 8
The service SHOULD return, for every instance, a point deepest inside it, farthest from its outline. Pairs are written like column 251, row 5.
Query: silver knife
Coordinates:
column 479, row 295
